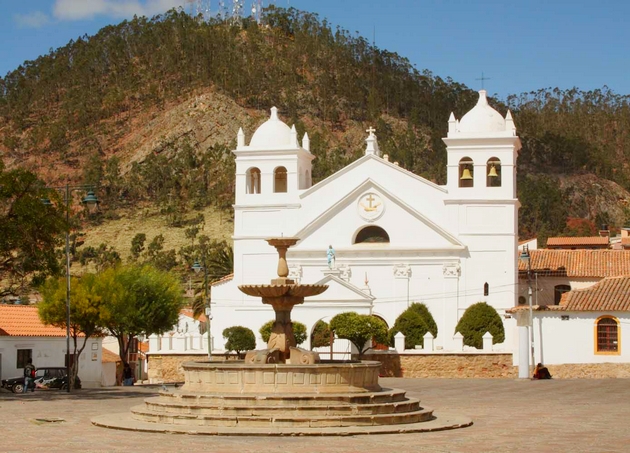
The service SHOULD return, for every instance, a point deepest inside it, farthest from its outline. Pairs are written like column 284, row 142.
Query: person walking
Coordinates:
column 29, row 376
column 127, row 375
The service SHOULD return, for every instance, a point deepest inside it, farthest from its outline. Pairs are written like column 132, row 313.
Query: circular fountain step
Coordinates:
column 167, row 406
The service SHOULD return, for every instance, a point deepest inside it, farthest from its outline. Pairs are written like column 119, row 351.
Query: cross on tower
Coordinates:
column 370, row 130
column 482, row 78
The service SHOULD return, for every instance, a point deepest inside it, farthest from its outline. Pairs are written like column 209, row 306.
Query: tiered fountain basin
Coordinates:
column 241, row 378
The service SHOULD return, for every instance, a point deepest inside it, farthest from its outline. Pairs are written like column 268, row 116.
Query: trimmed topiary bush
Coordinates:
column 239, row 339
column 321, row 335
column 476, row 321
column 359, row 329
column 299, row 331
column 413, row 327
column 424, row 312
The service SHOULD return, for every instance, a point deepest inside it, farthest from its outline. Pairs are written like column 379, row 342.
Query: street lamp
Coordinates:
column 197, row 268
column 526, row 258
column 90, row 201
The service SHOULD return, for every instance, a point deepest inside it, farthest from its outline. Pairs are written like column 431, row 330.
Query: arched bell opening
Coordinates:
column 466, row 172
column 493, row 172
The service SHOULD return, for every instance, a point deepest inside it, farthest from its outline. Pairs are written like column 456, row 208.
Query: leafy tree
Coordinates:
column 139, row 299
column 412, row 325
column 29, row 230
column 321, row 335
column 85, row 308
column 358, row 329
column 239, row 339
column 478, row 319
column 299, row 331
column 103, row 256
column 137, row 245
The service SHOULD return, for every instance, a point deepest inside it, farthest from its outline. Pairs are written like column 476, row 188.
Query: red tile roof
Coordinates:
column 109, row 357
column 609, row 294
column 579, row 263
column 588, row 241
column 23, row 321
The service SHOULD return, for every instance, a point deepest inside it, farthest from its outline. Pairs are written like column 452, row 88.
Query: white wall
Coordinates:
column 50, row 351
column 558, row 341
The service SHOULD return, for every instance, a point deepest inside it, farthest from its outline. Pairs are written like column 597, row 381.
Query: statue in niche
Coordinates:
column 331, row 257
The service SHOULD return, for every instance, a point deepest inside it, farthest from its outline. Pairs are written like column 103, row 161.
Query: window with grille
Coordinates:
column 22, row 357
column 607, row 335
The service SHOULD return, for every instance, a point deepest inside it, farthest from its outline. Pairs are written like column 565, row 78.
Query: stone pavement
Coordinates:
column 509, row 416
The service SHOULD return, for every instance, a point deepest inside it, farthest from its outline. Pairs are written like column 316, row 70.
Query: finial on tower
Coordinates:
column 372, row 144
column 294, row 140
column 306, row 142
column 274, row 114
column 240, row 138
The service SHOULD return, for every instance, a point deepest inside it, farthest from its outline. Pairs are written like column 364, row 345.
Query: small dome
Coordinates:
column 482, row 118
column 272, row 134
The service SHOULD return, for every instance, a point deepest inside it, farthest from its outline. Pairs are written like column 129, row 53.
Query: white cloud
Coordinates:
column 88, row 9
column 31, row 20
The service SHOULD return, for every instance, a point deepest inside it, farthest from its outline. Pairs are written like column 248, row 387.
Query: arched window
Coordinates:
column 493, row 172
column 375, row 344
column 280, row 180
column 607, row 335
column 372, row 234
column 522, row 300
column 466, row 172
column 486, row 289
column 558, row 291
column 253, row 180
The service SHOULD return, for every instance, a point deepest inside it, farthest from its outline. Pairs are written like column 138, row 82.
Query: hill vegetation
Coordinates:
column 72, row 115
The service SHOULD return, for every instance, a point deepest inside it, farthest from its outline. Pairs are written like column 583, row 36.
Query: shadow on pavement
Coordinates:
column 102, row 393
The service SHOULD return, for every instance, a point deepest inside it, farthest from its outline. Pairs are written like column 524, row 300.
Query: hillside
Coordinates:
column 148, row 111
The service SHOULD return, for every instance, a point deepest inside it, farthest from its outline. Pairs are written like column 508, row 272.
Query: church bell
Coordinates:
column 493, row 172
column 466, row 174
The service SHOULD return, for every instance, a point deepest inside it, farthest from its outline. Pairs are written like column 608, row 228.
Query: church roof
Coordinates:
column 482, row 118
column 609, row 294
column 272, row 134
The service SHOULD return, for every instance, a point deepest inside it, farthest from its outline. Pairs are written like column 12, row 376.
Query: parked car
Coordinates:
column 45, row 377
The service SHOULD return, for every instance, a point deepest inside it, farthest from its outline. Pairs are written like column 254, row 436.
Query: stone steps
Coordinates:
column 386, row 407
column 141, row 413
column 164, row 406
column 247, row 399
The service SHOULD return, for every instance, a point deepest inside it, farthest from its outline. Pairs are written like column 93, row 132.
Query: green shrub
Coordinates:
column 476, row 321
column 321, row 335
column 239, row 339
column 359, row 329
column 412, row 326
column 299, row 331
column 424, row 312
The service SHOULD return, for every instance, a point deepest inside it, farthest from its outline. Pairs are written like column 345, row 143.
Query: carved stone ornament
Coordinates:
column 345, row 272
column 263, row 356
column 295, row 272
column 452, row 270
column 370, row 206
column 301, row 356
column 402, row 271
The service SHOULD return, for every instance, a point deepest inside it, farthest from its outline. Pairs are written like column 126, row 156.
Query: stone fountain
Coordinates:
column 282, row 390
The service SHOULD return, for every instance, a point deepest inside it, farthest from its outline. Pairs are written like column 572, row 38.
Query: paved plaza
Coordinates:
column 509, row 416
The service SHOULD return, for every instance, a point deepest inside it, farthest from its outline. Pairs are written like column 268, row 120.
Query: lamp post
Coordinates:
column 526, row 258
column 197, row 268
column 89, row 200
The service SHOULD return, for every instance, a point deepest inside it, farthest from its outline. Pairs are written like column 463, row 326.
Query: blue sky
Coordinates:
column 519, row 45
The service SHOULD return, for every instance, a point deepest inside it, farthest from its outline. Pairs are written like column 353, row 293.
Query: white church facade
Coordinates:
column 398, row 238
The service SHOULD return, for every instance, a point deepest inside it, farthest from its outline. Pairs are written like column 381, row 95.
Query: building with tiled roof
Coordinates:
column 23, row 321
column 573, row 243
column 23, row 335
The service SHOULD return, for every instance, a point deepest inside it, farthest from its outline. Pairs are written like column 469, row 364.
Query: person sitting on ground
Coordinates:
column 127, row 375
column 541, row 372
